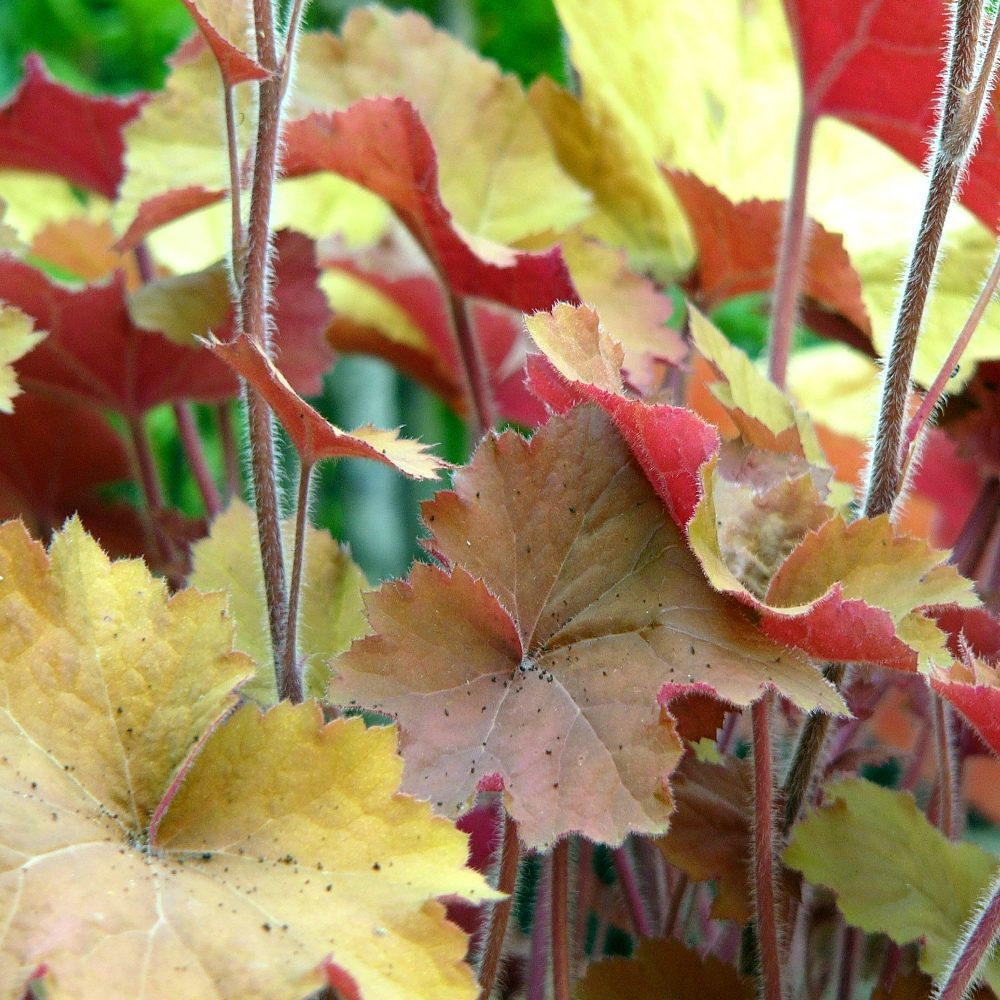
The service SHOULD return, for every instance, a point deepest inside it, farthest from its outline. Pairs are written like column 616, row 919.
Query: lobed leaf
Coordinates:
column 118, row 851
column 569, row 604
column 926, row 894
column 17, row 338
column 228, row 28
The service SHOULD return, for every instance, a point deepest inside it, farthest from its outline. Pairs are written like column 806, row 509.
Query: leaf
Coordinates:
column 228, row 29
column 569, row 602
column 81, row 454
column 84, row 248
column 487, row 136
column 737, row 246
column 188, row 308
column 879, row 69
column 311, row 435
column 331, row 607
column 632, row 308
column 176, row 156
column 48, row 127
column 95, row 353
column 709, row 836
column 582, row 363
column 114, row 872
column 665, row 970
column 386, row 306
column 383, row 146
column 926, row 894
column 17, row 337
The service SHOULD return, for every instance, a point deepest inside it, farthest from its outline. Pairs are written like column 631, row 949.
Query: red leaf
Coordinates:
column 313, row 437
column 382, row 145
column 54, row 456
column 95, row 353
column 339, row 980
column 164, row 208
column 235, row 65
column 738, row 251
column 876, row 64
column 45, row 126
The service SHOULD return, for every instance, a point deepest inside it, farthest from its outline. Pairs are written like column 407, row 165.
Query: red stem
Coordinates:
column 510, row 855
column 849, row 962
column 791, row 256
column 947, row 785
column 560, row 920
column 149, row 479
column 540, row 934
column 482, row 407
column 973, row 948
column 764, row 869
column 625, row 868
column 674, row 906
column 191, row 442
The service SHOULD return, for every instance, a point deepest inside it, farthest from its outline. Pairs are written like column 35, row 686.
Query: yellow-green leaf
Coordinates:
column 332, row 612
column 928, row 891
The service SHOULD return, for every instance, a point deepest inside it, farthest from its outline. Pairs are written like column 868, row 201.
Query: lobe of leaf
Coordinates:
column 571, row 601
column 926, row 894
column 383, row 146
column 228, row 28
column 48, row 127
column 488, row 138
column 737, row 246
column 313, row 437
column 17, row 337
column 670, row 443
column 331, row 606
column 709, row 836
column 663, row 970
column 113, row 874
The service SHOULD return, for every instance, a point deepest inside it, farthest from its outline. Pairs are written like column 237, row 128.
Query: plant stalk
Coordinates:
column 975, row 945
column 625, row 869
column 291, row 676
column 482, row 408
column 499, row 916
column 955, row 139
column 560, row 920
column 947, row 784
column 195, row 453
column 791, row 255
column 230, row 454
column 764, row 869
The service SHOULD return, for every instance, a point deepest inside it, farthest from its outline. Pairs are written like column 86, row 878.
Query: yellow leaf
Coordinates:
column 487, row 137
column 331, row 609
column 183, row 306
column 576, row 343
column 242, row 883
column 17, row 337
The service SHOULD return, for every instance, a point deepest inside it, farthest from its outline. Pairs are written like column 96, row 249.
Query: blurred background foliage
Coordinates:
column 120, row 46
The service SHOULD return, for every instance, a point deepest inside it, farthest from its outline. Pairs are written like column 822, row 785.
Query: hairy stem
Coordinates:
column 977, row 942
column 847, row 979
column 625, row 869
column 764, row 872
column 291, row 676
column 152, row 492
column 791, row 255
column 230, row 453
column 560, row 920
column 538, row 956
column 808, row 753
column 254, row 323
column 236, row 236
column 195, row 453
column 510, row 855
column 954, row 140
column 947, row 784
column 674, row 904
column 482, row 408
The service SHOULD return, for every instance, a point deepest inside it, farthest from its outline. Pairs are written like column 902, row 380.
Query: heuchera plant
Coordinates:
column 670, row 625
